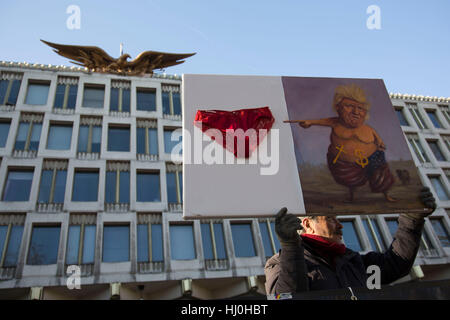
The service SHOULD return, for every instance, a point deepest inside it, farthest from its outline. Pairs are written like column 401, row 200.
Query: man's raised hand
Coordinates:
column 286, row 226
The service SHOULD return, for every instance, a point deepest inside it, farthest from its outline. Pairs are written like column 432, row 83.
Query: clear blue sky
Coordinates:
column 322, row 38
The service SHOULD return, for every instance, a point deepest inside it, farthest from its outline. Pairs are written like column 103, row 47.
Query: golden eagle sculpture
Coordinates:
column 97, row 60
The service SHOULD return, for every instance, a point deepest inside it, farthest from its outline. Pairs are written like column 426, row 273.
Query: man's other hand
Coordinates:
column 286, row 226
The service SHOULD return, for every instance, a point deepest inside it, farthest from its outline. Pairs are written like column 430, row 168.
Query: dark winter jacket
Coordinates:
column 350, row 270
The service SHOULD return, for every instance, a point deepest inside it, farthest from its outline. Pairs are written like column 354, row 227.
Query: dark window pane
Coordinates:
column 116, row 243
column 59, row 137
column 146, row 100
column 85, row 186
column 89, row 244
column 176, row 103
column 44, row 245
column 220, row 241
column 350, row 237
column 166, row 102
column 3, row 88
column 124, row 188
column 266, row 239
column 22, row 134
column 401, row 117
column 37, row 94
column 436, row 150
column 140, row 133
column 72, row 100
column 73, row 244
column 142, row 243
column 114, row 103
column 157, row 243
column 110, row 187
column 12, row 99
column 182, row 242
column 207, row 241
column 83, row 139
column 35, row 136
column 46, row 184
column 93, row 97
column 3, row 234
column 12, row 253
column 96, row 139
column 168, row 143
column 392, row 225
column 18, row 186
column 59, row 96
column 439, row 188
column 4, row 131
column 243, row 240
column 60, row 186
column 441, row 231
column 153, row 140
column 126, row 100
column 275, row 238
column 171, row 187
column 119, row 139
column 148, row 187
column 434, row 119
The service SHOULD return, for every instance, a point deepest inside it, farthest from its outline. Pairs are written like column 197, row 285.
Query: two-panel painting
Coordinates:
column 334, row 145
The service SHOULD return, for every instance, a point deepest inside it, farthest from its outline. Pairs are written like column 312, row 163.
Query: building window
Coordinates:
column 392, row 226
column 4, row 131
column 9, row 88
column 171, row 100
column 116, row 243
column 37, row 93
column 269, row 238
column 174, row 177
column 445, row 111
column 441, row 231
column 374, row 234
column 447, row 141
column 350, row 236
column 147, row 137
column 439, row 188
column 85, row 185
column 146, row 99
column 149, row 239
column 243, row 243
column 169, row 144
column 66, row 93
column 117, row 187
column 44, row 245
column 119, row 138
column 18, row 185
column 90, row 136
column 10, row 240
column 81, row 244
column 434, row 119
column 401, row 116
column 182, row 245
column 53, row 182
column 59, row 136
column 120, row 96
column 436, row 150
column 29, row 133
column 93, row 96
column 417, row 147
column 148, row 187
column 213, row 241
column 416, row 115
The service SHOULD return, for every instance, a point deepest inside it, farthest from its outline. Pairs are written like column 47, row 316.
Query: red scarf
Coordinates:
column 324, row 246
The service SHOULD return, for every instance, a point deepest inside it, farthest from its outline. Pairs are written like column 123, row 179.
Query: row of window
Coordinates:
column 89, row 137
column 86, row 182
column 43, row 249
column 439, row 118
column 93, row 95
column 434, row 145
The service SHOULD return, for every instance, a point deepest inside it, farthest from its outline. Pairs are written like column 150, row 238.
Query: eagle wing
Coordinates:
column 89, row 56
column 158, row 60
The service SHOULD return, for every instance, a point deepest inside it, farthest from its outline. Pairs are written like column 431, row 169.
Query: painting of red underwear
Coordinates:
column 349, row 145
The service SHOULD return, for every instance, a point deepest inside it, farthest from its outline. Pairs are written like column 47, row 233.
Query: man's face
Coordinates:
column 325, row 226
column 352, row 113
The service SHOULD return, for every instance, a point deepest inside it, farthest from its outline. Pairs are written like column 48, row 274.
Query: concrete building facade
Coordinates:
column 86, row 180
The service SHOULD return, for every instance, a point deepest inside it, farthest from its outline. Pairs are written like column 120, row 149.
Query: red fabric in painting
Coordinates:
column 245, row 119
